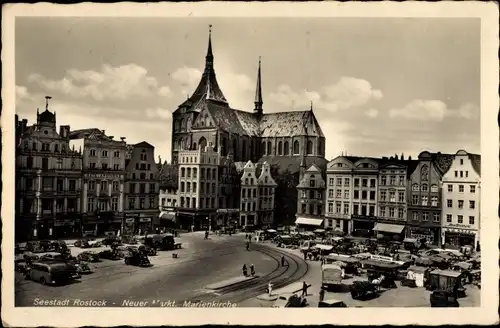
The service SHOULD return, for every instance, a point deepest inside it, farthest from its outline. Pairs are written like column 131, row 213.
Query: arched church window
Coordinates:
column 296, row 147
column 263, row 148
column 188, row 124
column 202, row 142
column 286, row 148
column 235, row 150
column 269, row 148
column 244, row 150
column 176, row 125
column 309, row 147
column 195, row 146
column 224, row 147
column 280, row 148
column 182, row 124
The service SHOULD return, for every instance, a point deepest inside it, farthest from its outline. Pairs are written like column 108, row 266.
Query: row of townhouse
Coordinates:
column 214, row 191
column 436, row 197
column 82, row 182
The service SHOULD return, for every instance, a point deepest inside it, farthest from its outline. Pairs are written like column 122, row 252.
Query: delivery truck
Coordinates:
column 332, row 274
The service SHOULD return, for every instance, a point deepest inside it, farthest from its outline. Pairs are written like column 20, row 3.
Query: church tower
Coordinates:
column 258, row 94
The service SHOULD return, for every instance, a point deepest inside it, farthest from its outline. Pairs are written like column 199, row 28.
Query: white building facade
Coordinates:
column 339, row 194
column 266, row 191
column 461, row 195
column 249, row 196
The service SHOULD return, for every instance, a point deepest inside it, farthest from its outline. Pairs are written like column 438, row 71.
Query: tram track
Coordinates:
column 280, row 277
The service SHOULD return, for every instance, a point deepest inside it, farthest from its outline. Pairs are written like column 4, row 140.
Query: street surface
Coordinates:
column 397, row 297
column 200, row 263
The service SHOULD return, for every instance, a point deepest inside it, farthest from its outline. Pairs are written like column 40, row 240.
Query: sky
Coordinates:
column 379, row 86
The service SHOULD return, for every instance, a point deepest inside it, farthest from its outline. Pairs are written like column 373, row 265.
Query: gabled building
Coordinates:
column 424, row 197
column 461, row 195
column 142, row 187
column 266, row 192
column 168, row 176
column 48, row 180
column 364, row 196
column 228, row 210
column 311, row 203
column 249, row 197
column 103, row 190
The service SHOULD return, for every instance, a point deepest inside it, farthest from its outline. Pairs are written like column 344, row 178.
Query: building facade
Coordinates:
column 103, row 190
column 48, row 180
column 228, row 211
column 198, row 178
column 168, row 200
column 461, row 194
column 311, row 199
column 424, row 200
column 266, row 191
column 339, row 194
column 141, row 190
column 364, row 195
column 249, row 196
column 392, row 204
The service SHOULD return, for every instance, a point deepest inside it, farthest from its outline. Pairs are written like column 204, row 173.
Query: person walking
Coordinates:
column 245, row 270
column 321, row 294
column 282, row 260
column 270, row 288
column 252, row 270
column 304, row 288
column 305, row 256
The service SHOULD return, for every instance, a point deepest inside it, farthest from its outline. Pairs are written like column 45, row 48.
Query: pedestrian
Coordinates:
column 269, row 288
column 246, row 236
column 305, row 255
column 282, row 260
column 248, row 246
column 304, row 288
column 321, row 294
column 252, row 270
column 245, row 270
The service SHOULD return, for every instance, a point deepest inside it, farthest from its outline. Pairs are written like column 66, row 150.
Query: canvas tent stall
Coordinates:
column 308, row 224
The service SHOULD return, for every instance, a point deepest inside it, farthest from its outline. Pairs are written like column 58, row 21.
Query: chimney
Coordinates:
column 103, row 132
column 111, row 137
column 24, row 125
column 123, row 139
column 64, row 131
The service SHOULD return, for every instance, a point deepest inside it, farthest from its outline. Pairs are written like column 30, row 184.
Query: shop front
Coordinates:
column 227, row 217
column 389, row 231
column 168, row 219
column 456, row 237
column 362, row 225
column 101, row 225
column 340, row 223
column 430, row 234
column 144, row 224
column 308, row 224
column 67, row 227
column 129, row 224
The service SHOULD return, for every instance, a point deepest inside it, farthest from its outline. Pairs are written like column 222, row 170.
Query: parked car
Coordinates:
column 88, row 256
column 110, row 240
column 360, row 289
column 147, row 250
column 137, row 259
column 52, row 256
column 20, row 263
column 82, row 243
column 332, row 303
column 110, row 255
column 290, row 300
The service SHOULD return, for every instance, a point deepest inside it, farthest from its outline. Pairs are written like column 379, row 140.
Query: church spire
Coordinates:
column 258, row 93
column 209, row 58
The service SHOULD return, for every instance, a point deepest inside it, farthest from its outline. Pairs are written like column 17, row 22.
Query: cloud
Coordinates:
column 432, row 110
column 347, row 93
column 372, row 112
column 21, row 92
column 158, row 113
column 188, row 78
column 121, row 82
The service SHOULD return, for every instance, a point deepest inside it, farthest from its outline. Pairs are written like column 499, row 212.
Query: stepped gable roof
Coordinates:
column 232, row 120
column 476, row 162
column 286, row 124
column 144, row 144
column 92, row 133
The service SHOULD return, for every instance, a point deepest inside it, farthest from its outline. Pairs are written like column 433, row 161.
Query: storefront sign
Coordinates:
column 460, row 226
column 363, row 217
column 145, row 219
column 130, row 220
column 64, row 223
column 167, row 208
column 130, row 215
column 421, row 231
column 102, row 176
column 338, row 217
column 228, row 210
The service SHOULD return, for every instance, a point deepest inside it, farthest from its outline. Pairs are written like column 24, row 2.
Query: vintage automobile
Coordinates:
column 130, row 240
column 109, row 240
column 163, row 242
column 82, row 243
column 147, row 250
column 51, row 272
column 290, row 300
column 110, row 255
column 52, row 256
column 83, row 268
column 361, row 289
column 443, row 298
column 20, row 263
column 332, row 303
column 137, row 259
column 451, row 281
column 88, row 256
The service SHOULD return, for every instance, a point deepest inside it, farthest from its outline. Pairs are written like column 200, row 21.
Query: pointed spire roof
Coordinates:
column 258, row 90
column 208, row 88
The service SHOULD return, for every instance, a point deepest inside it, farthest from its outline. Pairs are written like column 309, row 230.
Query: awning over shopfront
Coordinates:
column 309, row 221
column 391, row 228
column 167, row 215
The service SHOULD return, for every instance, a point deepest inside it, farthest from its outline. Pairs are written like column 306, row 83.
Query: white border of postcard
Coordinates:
column 66, row 317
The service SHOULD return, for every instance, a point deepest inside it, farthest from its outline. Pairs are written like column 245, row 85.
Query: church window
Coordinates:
column 269, row 148
column 182, row 124
column 296, row 150
column 286, row 148
column 224, row 147
column 280, row 148
column 309, row 147
column 263, row 149
column 176, row 125
column 235, row 150
column 195, row 146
